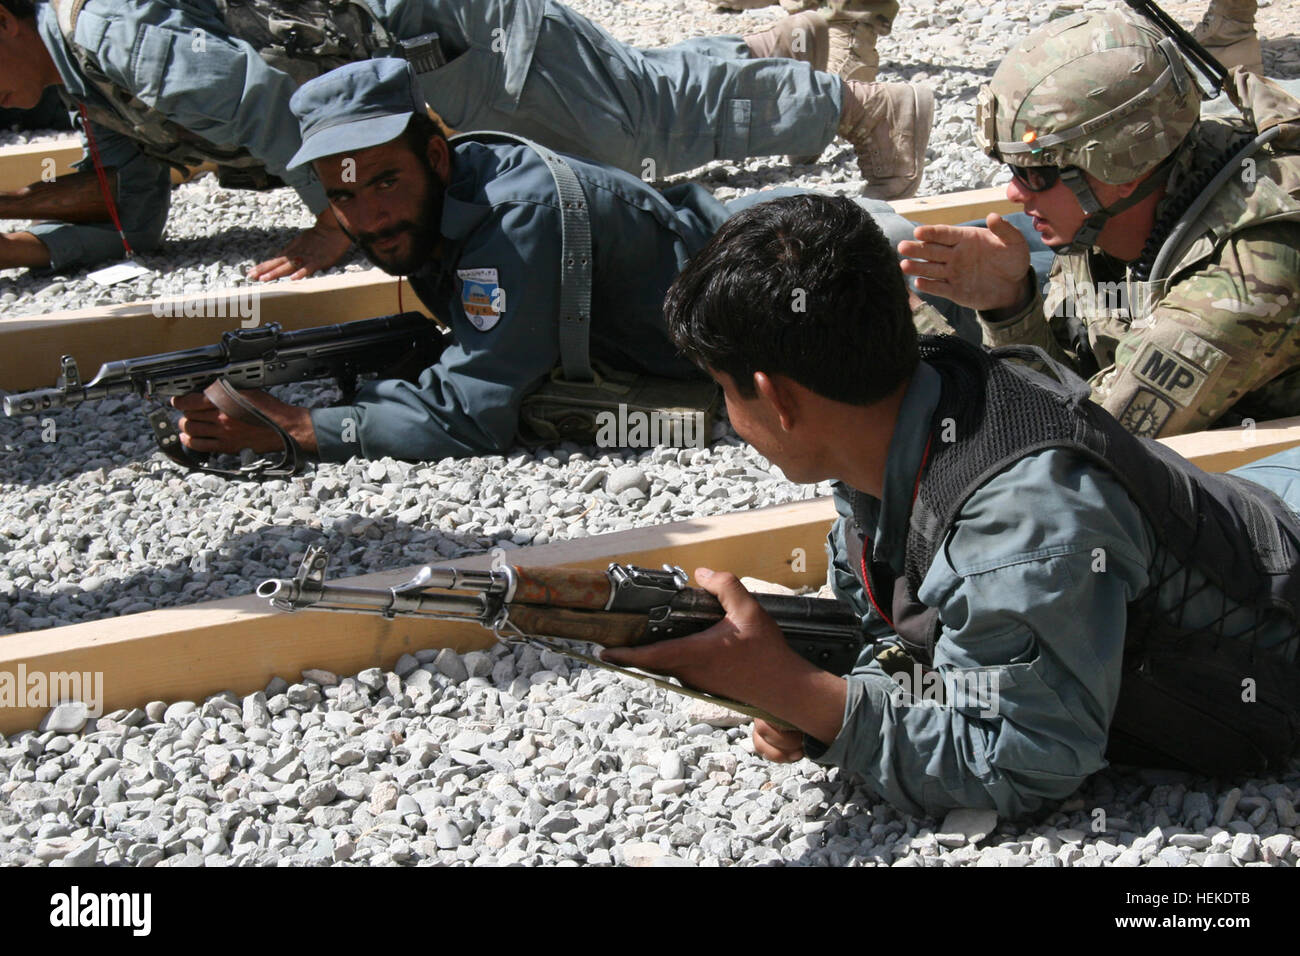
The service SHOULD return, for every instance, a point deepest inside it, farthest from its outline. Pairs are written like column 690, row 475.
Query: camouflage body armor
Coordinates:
column 1096, row 312
column 1190, row 328
column 302, row 38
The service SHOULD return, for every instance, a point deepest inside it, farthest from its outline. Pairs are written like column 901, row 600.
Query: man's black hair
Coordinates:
column 806, row 287
column 22, row 9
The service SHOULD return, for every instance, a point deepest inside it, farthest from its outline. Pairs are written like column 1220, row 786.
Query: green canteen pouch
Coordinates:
column 620, row 410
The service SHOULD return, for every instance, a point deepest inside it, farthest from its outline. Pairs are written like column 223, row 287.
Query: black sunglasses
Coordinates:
column 1036, row 179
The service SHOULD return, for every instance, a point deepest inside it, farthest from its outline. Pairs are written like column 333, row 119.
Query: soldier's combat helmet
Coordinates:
column 1102, row 92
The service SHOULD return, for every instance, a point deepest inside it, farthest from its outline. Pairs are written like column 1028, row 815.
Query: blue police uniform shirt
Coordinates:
column 501, row 229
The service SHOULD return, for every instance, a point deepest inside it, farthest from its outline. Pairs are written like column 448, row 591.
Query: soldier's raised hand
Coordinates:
column 985, row 269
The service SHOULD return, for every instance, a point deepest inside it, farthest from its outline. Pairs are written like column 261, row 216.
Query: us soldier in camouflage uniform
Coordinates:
column 1175, row 290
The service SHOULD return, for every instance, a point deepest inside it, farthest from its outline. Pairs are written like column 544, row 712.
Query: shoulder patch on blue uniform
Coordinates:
column 482, row 297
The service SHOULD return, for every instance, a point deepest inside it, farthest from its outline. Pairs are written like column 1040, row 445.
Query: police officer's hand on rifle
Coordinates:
column 205, row 428
column 744, row 656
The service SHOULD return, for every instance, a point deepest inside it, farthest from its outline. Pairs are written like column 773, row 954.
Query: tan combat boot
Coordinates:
column 1227, row 31
column 888, row 125
column 799, row 6
column 802, row 37
column 855, row 26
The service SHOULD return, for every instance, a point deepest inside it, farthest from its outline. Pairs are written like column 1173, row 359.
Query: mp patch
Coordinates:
column 482, row 297
column 1146, row 413
column 1168, row 373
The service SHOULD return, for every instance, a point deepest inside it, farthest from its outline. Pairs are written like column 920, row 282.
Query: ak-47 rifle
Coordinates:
column 247, row 358
column 622, row 606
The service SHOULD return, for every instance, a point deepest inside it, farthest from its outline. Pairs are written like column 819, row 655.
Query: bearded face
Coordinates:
column 389, row 200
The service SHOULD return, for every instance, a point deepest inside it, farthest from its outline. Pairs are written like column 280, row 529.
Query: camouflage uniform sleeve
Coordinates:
column 929, row 320
column 1032, row 324
column 1222, row 332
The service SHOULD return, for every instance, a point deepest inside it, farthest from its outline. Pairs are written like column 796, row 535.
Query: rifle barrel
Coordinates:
column 45, row 399
column 288, row 595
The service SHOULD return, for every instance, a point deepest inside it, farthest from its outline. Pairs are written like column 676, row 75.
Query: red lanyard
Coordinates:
column 866, row 542
column 103, row 180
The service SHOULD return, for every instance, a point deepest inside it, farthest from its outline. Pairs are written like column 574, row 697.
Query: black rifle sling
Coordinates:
column 228, row 400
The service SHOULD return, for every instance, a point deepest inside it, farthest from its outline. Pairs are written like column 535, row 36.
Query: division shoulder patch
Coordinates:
column 1146, row 413
column 482, row 297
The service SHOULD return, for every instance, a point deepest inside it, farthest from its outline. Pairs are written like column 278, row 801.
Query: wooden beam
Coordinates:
column 956, row 208
column 30, row 346
column 1224, row 449
column 239, row 644
column 23, row 165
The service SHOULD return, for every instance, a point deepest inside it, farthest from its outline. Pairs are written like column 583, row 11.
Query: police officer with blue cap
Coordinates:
column 479, row 226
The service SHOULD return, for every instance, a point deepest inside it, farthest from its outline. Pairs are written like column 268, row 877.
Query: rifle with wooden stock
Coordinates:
column 622, row 606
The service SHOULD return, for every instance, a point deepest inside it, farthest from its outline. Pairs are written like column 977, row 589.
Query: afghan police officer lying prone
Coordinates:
column 1055, row 592
column 165, row 83
column 479, row 226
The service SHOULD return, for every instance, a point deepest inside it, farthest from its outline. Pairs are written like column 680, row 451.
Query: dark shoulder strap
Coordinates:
column 575, row 254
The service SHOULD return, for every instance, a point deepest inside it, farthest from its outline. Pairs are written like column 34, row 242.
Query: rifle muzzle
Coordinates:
column 27, row 403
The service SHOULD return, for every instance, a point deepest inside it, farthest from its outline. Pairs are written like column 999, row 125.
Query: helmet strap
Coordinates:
column 1096, row 215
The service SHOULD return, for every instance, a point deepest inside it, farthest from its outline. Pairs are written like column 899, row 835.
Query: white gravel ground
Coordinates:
column 493, row 758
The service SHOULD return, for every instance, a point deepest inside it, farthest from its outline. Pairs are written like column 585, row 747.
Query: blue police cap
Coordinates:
column 355, row 107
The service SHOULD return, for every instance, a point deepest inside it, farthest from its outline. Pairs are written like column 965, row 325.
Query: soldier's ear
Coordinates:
column 1126, row 189
column 438, row 154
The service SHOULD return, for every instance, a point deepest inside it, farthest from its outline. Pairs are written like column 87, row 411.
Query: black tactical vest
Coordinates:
column 1181, row 699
